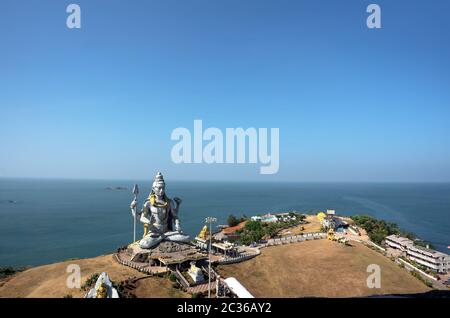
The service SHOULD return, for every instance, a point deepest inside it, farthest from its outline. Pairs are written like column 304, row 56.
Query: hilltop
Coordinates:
column 49, row 281
column 319, row 268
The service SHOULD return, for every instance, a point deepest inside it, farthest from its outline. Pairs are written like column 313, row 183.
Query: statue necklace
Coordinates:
column 156, row 204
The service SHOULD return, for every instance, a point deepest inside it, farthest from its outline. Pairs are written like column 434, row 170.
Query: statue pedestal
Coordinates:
column 151, row 240
column 165, row 254
column 176, row 237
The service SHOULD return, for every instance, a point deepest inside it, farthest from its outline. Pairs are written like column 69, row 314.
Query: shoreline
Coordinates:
column 345, row 217
column 294, row 241
column 88, row 208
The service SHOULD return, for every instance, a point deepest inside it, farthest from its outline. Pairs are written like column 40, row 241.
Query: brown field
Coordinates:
column 313, row 268
column 49, row 281
column 312, row 225
column 153, row 287
column 321, row 269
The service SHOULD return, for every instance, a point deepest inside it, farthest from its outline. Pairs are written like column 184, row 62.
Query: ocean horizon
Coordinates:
column 49, row 220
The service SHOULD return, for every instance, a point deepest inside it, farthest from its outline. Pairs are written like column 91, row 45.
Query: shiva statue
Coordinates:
column 159, row 215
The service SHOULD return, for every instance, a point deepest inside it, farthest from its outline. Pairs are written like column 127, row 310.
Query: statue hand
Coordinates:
column 177, row 200
column 177, row 226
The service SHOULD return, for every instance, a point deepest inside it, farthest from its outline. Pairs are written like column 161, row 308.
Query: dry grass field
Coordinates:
column 321, row 269
column 313, row 268
column 312, row 225
column 49, row 281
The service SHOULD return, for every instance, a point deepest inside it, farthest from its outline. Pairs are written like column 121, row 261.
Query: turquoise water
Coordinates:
column 43, row 221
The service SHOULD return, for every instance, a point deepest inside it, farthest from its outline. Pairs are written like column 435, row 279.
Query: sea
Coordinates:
column 50, row 220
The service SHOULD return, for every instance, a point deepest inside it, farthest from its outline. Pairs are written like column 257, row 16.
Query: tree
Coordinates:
column 232, row 220
column 379, row 229
column 252, row 232
column 271, row 230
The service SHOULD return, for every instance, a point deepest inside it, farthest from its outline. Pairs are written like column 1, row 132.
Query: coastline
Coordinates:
column 349, row 265
column 77, row 219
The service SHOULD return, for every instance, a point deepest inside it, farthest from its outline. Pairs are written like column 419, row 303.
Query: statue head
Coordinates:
column 159, row 186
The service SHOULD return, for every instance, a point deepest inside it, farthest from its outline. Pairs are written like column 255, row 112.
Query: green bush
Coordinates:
column 377, row 230
column 251, row 232
column 271, row 229
column 121, row 290
column 90, row 281
column 172, row 277
column 233, row 221
column 7, row 271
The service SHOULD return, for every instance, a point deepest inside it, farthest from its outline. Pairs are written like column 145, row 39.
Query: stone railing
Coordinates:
column 213, row 272
column 139, row 267
column 296, row 238
column 181, row 279
column 240, row 258
column 413, row 268
column 142, row 267
column 376, row 245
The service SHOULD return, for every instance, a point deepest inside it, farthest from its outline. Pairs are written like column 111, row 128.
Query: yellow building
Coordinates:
column 321, row 216
column 204, row 233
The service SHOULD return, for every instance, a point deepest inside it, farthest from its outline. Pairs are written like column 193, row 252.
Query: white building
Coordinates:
column 432, row 259
column 398, row 242
column 196, row 274
column 435, row 260
column 272, row 218
column 236, row 288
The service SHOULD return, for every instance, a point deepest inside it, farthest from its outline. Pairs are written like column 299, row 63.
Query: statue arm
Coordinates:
column 174, row 207
column 133, row 207
column 146, row 215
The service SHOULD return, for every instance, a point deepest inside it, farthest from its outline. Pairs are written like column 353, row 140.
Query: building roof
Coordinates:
column 399, row 240
column 237, row 288
column 223, row 246
column 232, row 229
column 407, row 242
column 428, row 251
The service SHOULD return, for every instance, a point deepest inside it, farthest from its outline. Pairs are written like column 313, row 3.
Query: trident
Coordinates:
column 133, row 210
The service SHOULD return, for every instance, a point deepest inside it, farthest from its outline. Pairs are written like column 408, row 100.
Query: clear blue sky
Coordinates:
column 352, row 104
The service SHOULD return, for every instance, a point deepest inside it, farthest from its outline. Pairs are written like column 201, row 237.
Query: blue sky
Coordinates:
column 352, row 104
